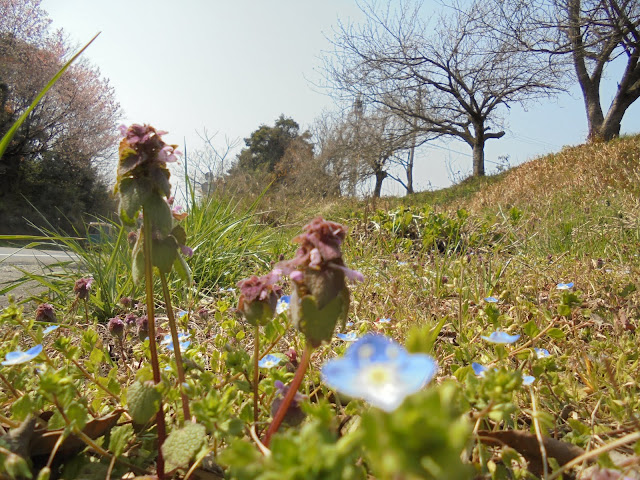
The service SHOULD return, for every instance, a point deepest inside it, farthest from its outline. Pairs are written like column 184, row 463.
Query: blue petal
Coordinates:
column 528, row 380
column 375, row 348
column 478, row 369
column 183, row 346
column 167, row 339
column 50, row 329
column 501, row 337
column 340, row 374
column 541, row 352
column 491, row 300
column 347, row 337
column 283, row 304
column 18, row 357
column 564, row 286
column 269, row 361
column 384, row 320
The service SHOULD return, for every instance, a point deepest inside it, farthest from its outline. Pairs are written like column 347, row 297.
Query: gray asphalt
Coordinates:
column 28, row 256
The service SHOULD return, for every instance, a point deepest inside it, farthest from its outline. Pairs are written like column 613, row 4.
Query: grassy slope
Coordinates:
column 570, row 216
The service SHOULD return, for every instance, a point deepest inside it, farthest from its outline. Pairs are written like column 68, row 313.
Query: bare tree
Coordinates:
column 584, row 36
column 208, row 165
column 365, row 143
column 451, row 80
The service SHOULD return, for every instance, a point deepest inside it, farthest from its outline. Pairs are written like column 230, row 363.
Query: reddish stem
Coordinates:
column 288, row 398
column 153, row 350
column 176, row 347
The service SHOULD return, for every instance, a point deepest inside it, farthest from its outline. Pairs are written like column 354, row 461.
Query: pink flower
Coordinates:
column 177, row 212
column 82, row 287
column 168, row 154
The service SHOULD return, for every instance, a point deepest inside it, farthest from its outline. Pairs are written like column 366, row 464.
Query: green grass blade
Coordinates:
column 6, row 139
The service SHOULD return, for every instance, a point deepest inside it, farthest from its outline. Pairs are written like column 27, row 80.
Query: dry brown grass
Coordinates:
column 587, row 171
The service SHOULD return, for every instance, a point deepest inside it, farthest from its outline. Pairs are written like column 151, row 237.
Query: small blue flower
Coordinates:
column 283, row 304
column 565, row 286
column 380, row 371
column 182, row 340
column 18, row 357
column 383, row 320
column 478, row 369
column 491, row 300
column 349, row 324
column 501, row 337
column 50, row 329
column 542, row 352
column 181, row 313
column 528, row 380
column 347, row 337
column 269, row 361
column 183, row 346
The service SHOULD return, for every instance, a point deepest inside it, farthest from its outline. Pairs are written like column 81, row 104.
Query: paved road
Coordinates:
column 28, row 256
column 14, row 260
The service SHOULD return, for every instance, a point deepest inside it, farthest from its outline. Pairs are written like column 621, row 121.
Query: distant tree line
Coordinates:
column 52, row 164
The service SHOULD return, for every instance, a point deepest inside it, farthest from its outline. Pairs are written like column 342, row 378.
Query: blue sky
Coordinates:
column 230, row 66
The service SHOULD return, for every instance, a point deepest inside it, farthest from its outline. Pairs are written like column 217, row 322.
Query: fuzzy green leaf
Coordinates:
column 119, row 438
column 143, row 401
column 183, row 270
column 182, row 445
column 158, row 212
column 164, row 253
column 318, row 324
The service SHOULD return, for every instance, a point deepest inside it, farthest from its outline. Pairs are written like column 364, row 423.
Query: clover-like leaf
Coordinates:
column 143, row 401
column 182, row 445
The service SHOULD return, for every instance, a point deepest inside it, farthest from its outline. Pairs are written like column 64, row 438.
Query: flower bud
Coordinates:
column 116, row 327
column 46, row 313
column 258, row 298
column 320, row 298
column 143, row 327
column 82, row 287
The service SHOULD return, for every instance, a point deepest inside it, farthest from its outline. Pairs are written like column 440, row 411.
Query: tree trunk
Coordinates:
column 380, row 176
column 409, row 169
column 610, row 127
column 595, row 117
column 478, row 158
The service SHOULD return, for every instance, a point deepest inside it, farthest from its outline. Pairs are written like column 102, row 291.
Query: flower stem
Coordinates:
column 291, row 393
column 176, row 346
column 86, row 311
column 153, row 351
column 256, row 372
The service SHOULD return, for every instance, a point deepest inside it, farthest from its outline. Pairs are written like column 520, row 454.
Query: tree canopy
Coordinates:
column 52, row 161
